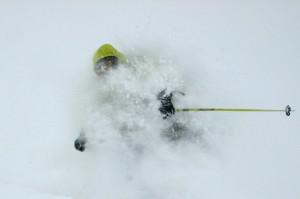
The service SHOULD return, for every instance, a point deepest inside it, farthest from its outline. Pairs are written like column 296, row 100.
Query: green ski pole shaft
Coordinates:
column 287, row 110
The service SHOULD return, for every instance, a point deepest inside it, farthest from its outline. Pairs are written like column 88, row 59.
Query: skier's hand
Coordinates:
column 166, row 108
column 79, row 143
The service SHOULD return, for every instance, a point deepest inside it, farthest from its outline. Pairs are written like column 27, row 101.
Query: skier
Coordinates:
column 108, row 58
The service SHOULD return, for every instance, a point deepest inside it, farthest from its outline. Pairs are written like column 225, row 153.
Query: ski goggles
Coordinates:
column 105, row 64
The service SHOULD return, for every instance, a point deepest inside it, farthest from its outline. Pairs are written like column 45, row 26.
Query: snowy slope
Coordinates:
column 220, row 53
column 13, row 191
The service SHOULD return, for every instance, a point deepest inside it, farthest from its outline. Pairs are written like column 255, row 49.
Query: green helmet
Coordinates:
column 107, row 50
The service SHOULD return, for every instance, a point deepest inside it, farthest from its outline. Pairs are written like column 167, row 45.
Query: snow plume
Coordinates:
column 137, row 154
column 228, row 54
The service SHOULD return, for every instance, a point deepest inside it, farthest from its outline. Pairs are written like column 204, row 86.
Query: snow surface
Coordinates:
column 14, row 191
column 221, row 53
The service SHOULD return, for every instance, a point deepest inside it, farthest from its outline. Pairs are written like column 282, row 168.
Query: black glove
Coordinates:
column 79, row 145
column 80, row 142
column 166, row 108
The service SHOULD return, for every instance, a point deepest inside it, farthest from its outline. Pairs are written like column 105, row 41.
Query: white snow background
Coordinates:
column 221, row 53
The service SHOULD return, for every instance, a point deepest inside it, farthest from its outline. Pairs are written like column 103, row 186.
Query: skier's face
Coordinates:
column 105, row 64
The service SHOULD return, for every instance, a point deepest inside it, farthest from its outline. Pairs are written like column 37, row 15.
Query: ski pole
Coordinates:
column 287, row 110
